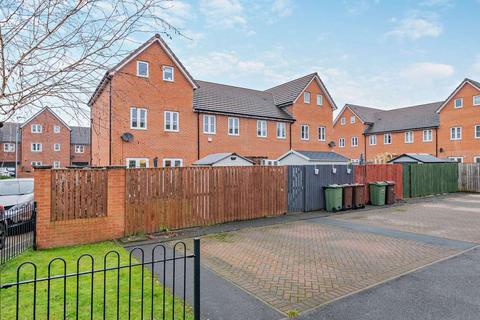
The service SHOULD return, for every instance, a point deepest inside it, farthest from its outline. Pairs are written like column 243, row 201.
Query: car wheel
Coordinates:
column 3, row 235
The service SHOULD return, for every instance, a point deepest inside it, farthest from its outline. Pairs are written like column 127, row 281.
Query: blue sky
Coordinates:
column 377, row 53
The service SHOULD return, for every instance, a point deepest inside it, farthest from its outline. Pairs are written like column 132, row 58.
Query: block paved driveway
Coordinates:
column 298, row 266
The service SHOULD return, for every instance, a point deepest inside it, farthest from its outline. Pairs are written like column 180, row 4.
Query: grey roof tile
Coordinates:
column 476, row 83
column 366, row 114
column 287, row 92
column 215, row 157
column 323, row 156
column 220, row 98
column 80, row 135
column 422, row 157
column 7, row 132
column 414, row 117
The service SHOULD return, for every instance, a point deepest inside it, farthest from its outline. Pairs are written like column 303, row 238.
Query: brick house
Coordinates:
column 149, row 111
column 446, row 129
column 44, row 139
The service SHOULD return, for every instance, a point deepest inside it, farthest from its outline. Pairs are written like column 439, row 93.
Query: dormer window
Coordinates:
column 142, row 69
column 36, row 128
column 306, row 97
column 168, row 73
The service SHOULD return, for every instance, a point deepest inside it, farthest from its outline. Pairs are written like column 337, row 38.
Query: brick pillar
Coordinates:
column 116, row 176
column 43, row 196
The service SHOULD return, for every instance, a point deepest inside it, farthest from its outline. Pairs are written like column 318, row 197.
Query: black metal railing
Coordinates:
column 114, row 291
column 17, row 230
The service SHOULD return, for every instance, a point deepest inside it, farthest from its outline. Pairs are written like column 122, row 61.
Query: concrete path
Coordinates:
column 447, row 290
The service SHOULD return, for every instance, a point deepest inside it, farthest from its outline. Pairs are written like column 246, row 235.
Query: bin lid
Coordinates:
column 333, row 186
column 378, row 183
column 389, row 182
column 357, row 185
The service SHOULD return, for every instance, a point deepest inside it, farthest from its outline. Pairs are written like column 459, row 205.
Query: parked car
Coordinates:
column 16, row 206
column 7, row 172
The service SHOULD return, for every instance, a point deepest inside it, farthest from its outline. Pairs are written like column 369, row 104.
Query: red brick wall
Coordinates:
column 47, row 138
column 100, row 144
column 80, row 157
column 347, row 131
column 9, row 156
column 466, row 117
column 247, row 143
column 80, row 231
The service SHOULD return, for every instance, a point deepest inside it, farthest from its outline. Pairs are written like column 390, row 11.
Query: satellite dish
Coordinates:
column 127, row 137
column 331, row 144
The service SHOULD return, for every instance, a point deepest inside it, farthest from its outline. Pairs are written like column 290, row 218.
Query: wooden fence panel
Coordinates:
column 469, row 177
column 78, row 194
column 380, row 172
column 432, row 178
column 174, row 198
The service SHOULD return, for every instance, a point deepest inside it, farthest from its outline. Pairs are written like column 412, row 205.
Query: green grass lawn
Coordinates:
column 71, row 254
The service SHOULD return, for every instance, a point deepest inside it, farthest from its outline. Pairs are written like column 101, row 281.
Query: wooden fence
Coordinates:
column 422, row 180
column 173, row 198
column 380, row 172
column 78, row 194
column 469, row 177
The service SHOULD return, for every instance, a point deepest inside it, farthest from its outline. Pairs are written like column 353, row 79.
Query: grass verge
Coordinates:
column 114, row 280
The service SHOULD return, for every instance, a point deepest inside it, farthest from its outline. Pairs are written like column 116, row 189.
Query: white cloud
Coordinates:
column 282, row 8
column 416, row 28
column 223, row 13
column 438, row 3
column 427, row 71
column 177, row 13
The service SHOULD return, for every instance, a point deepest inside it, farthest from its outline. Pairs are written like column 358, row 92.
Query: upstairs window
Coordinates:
column 341, row 142
column 305, row 132
column 343, row 121
column 79, row 148
column 387, row 138
column 36, row 147
column 171, row 121
column 36, row 128
column 322, row 133
column 138, row 118
column 209, row 124
column 56, row 147
column 409, row 137
column 354, row 141
column 281, row 130
column 476, row 100
column 261, row 128
column 56, row 129
column 352, row 119
column 56, row 164
column 167, row 73
column 8, row 147
column 169, row 162
column 456, row 133
column 137, row 162
column 234, row 126
column 477, row 131
column 372, row 140
column 36, row 163
column 142, row 69
column 427, row 135
column 319, row 100
column 306, row 97
column 458, row 103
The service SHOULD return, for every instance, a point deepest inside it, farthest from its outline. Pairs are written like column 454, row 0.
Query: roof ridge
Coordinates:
column 233, row 86
column 414, row 106
column 281, row 84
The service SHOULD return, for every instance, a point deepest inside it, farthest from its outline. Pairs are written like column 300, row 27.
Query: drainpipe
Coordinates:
column 436, row 142
column 365, row 147
column 110, row 124
column 198, row 136
column 290, row 135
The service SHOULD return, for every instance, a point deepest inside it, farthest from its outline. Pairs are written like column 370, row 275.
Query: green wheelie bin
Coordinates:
column 377, row 193
column 333, row 197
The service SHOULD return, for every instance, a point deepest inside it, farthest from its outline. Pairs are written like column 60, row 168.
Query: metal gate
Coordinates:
column 296, row 188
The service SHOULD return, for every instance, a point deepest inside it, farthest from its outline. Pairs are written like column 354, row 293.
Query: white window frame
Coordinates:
column 233, row 126
column 79, row 148
column 282, row 129
column 138, row 113
column 307, row 97
column 354, row 141
column 35, row 126
column 262, row 128
column 455, row 103
column 55, row 147
column 476, row 159
column 322, row 133
column 163, row 73
column 172, row 160
column 9, row 147
column 385, row 135
column 319, row 100
column 408, row 135
column 168, row 115
column 209, row 124
column 56, row 129
column 476, row 131
column 341, row 142
column 455, row 135
column 372, row 140
column 305, row 132
column 56, row 164
column 36, row 143
column 138, row 69
column 343, row 121
column 473, row 100
column 352, row 119
column 455, row 158
column 137, row 162
column 36, row 163
column 430, row 133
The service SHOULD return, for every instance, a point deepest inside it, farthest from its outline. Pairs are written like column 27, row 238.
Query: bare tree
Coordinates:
column 55, row 51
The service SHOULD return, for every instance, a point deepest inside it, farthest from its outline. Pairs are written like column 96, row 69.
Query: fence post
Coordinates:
column 34, row 218
column 42, row 176
column 196, row 279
